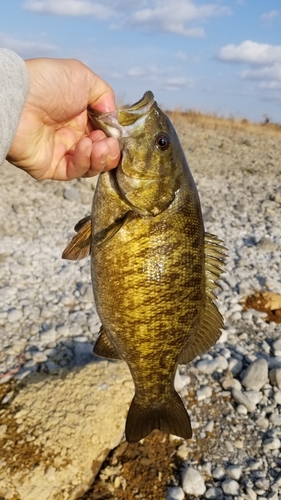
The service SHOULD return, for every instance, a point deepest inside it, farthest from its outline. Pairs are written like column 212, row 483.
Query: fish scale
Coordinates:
column 153, row 267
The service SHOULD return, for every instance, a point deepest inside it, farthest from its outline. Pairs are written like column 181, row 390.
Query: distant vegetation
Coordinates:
column 214, row 121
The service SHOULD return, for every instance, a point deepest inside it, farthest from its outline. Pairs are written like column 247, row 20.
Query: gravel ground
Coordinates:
column 233, row 392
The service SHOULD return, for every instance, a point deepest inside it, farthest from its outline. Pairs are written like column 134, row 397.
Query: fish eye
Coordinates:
column 162, row 141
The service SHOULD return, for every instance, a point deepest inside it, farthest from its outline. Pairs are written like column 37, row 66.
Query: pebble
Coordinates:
column 48, row 337
column 213, row 493
column 271, row 444
column 71, row 194
column 242, row 399
column 275, row 377
column 175, row 493
column 207, row 366
column 230, row 487
column 14, row 315
column 204, row 393
column 192, row 482
column 218, row 473
column 255, row 377
column 234, row 471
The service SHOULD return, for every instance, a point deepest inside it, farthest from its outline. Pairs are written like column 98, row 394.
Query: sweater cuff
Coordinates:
column 13, row 92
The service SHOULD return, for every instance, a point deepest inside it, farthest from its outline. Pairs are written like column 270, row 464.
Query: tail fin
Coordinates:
column 170, row 417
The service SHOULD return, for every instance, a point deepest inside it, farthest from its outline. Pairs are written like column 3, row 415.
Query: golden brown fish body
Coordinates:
column 151, row 281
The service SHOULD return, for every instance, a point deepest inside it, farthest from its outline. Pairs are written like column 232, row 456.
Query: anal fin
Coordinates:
column 103, row 347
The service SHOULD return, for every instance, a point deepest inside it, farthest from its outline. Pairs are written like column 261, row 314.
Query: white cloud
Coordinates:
column 27, row 48
column 251, row 53
column 264, row 65
column 269, row 16
column 174, row 84
column 148, row 73
column 69, row 8
column 265, row 73
column 162, row 15
column 181, row 56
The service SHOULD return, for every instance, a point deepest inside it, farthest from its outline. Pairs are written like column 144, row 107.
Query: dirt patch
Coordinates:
column 265, row 301
column 138, row 470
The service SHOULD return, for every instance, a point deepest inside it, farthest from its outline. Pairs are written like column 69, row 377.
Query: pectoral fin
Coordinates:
column 209, row 329
column 109, row 232
column 104, row 348
column 80, row 245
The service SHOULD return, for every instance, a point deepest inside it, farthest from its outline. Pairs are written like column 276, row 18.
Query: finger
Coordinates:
column 101, row 96
column 78, row 164
column 105, row 156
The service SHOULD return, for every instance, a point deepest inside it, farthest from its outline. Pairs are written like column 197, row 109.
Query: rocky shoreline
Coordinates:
column 233, row 393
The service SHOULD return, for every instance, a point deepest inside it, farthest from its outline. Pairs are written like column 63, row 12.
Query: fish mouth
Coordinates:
column 121, row 123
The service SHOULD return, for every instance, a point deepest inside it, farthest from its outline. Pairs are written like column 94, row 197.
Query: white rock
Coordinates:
column 222, row 363
column 234, row 471
column 192, row 481
column 14, row 315
column 207, row 366
column 231, row 383
column 255, row 377
column 271, row 444
column 218, row 473
column 235, row 366
column 213, row 493
column 72, row 194
column 242, row 399
column 230, row 487
column 275, row 377
column 175, row 493
column 204, row 393
column 74, row 442
column 277, row 397
column 181, row 381
column 48, row 337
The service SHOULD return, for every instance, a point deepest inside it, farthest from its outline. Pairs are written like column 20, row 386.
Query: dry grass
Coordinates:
column 217, row 122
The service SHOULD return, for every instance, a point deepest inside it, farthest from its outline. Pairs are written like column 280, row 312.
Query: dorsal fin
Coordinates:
column 209, row 329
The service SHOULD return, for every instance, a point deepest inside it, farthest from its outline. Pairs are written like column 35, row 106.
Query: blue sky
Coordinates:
column 220, row 56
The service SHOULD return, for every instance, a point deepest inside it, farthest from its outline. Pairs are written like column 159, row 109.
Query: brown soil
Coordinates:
column 265, row 302
column 142, row 469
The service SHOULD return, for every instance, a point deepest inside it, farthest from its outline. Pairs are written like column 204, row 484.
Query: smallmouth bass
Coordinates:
column 154, row 269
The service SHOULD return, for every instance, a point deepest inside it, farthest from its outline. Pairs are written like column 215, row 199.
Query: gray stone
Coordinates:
column 271, row 444
column 255, row 377
column 204, row 393
column 14, row 315
column 218, row 473
column 175, row 493
column 234, row 471
column 242, row 399
column 48, row 337
column 230, row 487
column 275, row 377
column 213, row 493
column 192, row 481
column 71, row 194
column 207, row 366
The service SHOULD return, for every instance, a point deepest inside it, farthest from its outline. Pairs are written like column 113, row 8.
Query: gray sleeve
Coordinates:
column 13, row 92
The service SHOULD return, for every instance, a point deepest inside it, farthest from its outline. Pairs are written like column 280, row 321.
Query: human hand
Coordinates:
column 55, row 139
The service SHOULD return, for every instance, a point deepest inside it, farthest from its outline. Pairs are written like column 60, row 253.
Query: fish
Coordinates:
column 153, row 267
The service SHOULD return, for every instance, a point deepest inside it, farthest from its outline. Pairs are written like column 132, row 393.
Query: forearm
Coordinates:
column 13, row 92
